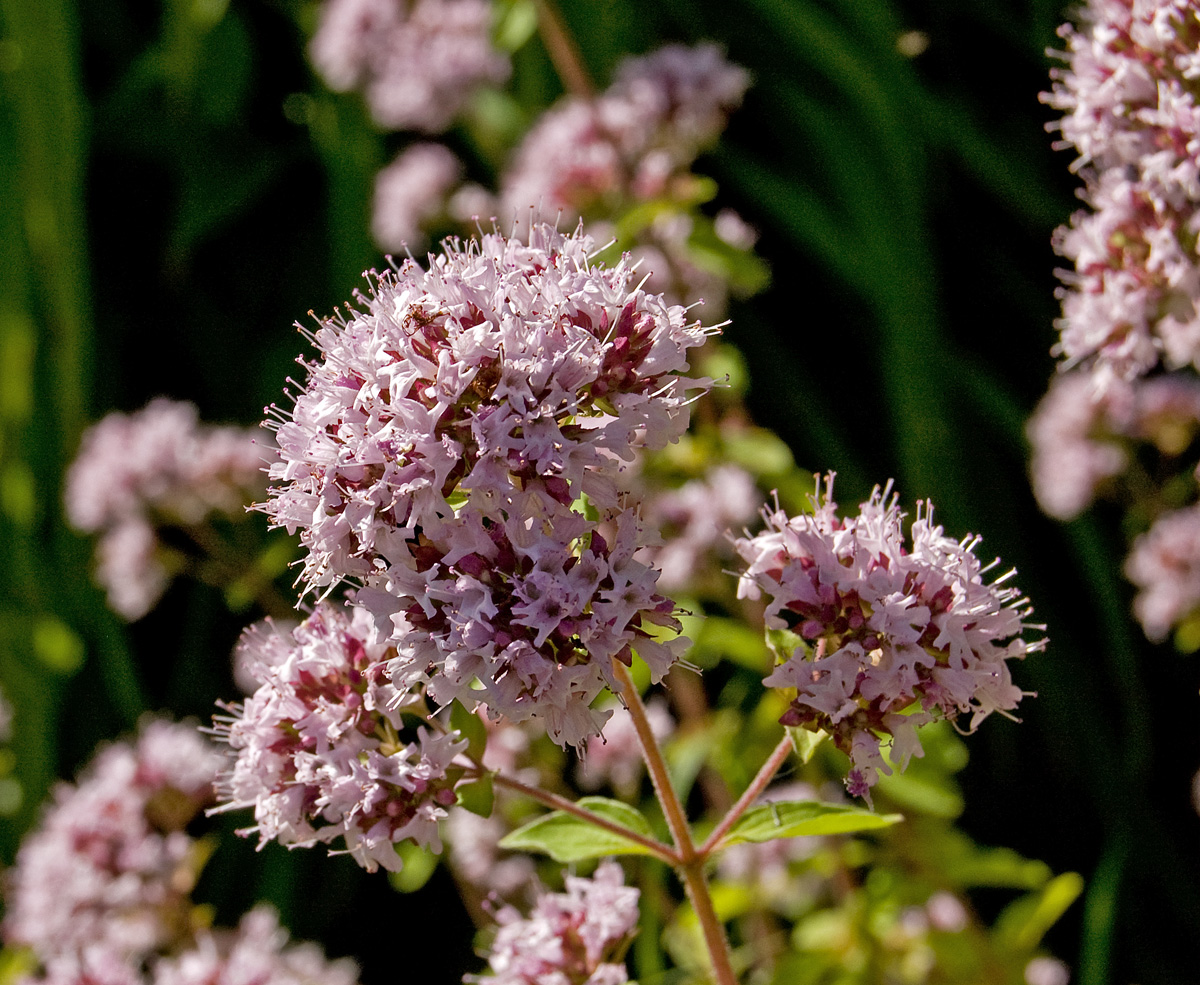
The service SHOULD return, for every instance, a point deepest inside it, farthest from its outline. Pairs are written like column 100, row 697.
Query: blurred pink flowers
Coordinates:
column 159, row 467
column 573, row 937
column 418, row 62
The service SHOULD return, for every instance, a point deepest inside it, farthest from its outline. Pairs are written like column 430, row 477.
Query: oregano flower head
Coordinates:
column 457, row 449
column 572, row 938
column 893, row 634
column 1130, row 102
column 321, row 752
column 110, row 860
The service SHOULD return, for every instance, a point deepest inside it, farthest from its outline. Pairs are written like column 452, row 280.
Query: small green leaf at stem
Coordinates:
column 790, row 819
column 477, row 796
column 570, row 838
column 784, row 643
column 805, row 742
column 470, row 726
column 419, row 864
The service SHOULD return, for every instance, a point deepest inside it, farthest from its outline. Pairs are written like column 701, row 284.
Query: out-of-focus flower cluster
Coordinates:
column 893, row 635
column 111, row 860
column 576, row 937
column 101, row 890
column 1129, row 97
column 443, row 448
column 1111, row 422
column 695, row 519
column 1083, row 442
column 138, row 474
column 417, row 62
column 319, row 748
column 631, row 142
column 620, row 160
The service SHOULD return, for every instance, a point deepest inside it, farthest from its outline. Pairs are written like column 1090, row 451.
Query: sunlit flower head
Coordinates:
column 321, row 747
column 457, row 449
column 893, row 634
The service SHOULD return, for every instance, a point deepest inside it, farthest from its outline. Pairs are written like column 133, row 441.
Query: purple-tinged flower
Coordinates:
column 571, row 938
column 319, row 748
column 1131, row 112
column 1082, row 436
column 160, row 461
column 1073, row 451
column 157, row 467
column 1164, row 564
column 95, row 964
column 628, row 143
column 1047, row 971
column 418, row 62
column 410, row 192
column 478, row 861
column 440, row 453
column 110, row 863
column 257, row 953
column 894, row 635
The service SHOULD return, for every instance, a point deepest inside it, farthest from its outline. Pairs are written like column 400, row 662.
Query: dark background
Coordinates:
column 176, row 189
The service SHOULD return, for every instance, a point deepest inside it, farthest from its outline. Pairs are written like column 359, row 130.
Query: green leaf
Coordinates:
column 790, row 819
column 57, row 645
column 783, row 643
column 1023, row 924
column 516, row 24
column 934, row 796
column 745, row 272
column 470, row 726
column 477, row 796
column 805, row 742
column 569, row 838
column 761, row 452
column 419, row 864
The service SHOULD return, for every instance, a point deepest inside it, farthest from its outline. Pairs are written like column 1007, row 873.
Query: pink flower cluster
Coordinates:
column 319, row 748
column 571, row 938
column 1129, row 95
column 157, row 467
column 635, row 143
column 894, row 635
column 615, row 756
column 694, row 520
column 457, row 451
column 410, row 192
column 1082, row 440
column 258, row 952
column 1165, row 566
column 418, row 62
column 111, row 862
column 101, row 890
column 1132, row 305
column 631, row 141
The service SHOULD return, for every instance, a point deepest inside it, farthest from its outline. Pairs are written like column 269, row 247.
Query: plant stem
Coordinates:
column 757, row 785
column 563, row 52
column 690, row 864
column 655, row 848
column 231, row 566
